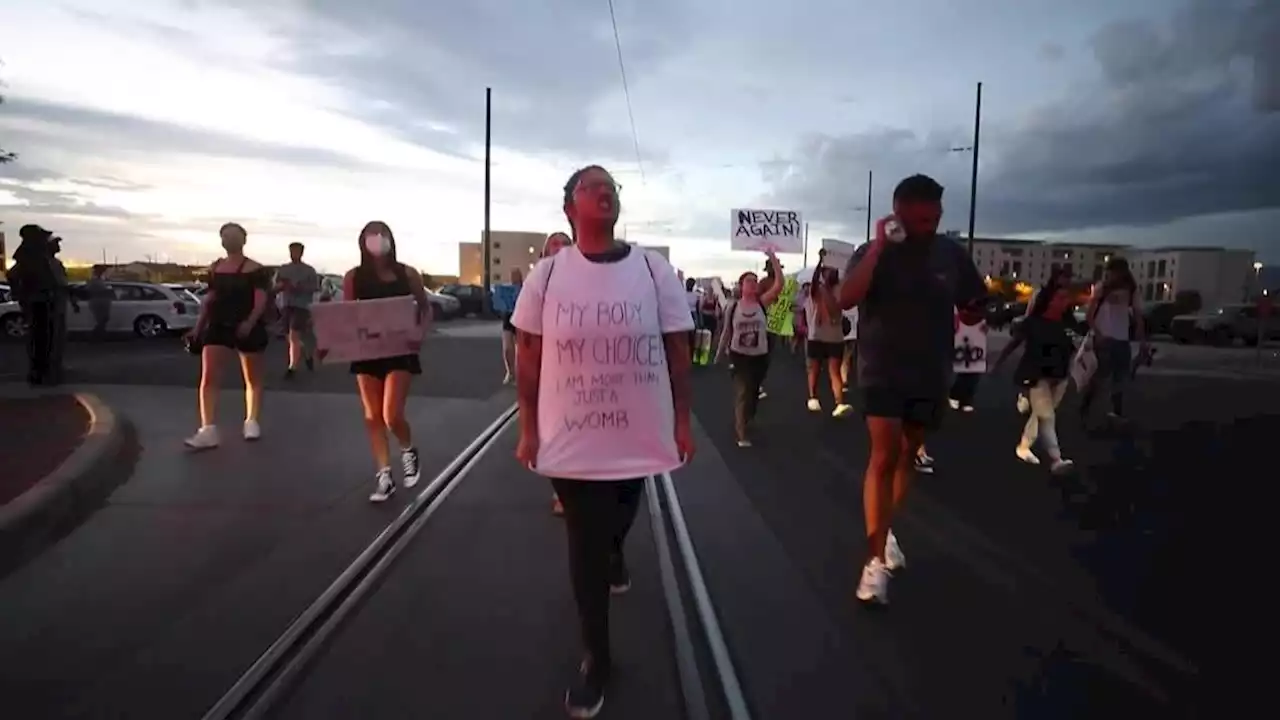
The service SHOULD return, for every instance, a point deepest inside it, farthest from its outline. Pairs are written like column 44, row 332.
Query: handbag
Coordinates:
column 1084, row 364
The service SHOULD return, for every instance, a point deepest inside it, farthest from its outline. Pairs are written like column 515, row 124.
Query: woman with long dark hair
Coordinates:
column 743, row 339
column 1114, row 317
column 231, row 323
column 1043, row 370
column 384, row 382
column 825, row 346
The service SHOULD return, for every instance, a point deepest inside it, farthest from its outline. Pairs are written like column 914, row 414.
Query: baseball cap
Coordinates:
column 34, row 232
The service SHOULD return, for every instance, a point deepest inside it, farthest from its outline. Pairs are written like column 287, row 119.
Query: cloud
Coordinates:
column 1171, row 129
column 28, row 122
column 420, row 69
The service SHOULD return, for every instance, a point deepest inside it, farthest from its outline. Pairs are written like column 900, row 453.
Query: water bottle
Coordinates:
column 893, row 230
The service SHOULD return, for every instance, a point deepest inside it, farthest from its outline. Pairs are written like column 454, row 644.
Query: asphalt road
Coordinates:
column 1025, row 597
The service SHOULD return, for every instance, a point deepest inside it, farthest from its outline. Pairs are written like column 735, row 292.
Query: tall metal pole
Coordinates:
column 488, row 136
column 870, row 177
column 805, row 251
column 973, row 175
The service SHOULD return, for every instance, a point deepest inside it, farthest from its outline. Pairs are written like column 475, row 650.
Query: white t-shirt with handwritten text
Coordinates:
column 604, row 401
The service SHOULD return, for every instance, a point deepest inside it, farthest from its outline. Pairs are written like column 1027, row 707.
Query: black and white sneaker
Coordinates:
column 585, row 696
column 384, row 486
column 619, row 575
column 924, row 464
column 412, row 470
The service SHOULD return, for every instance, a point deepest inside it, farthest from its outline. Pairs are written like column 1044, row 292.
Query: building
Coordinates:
column 1219, row 275
column 510, row 249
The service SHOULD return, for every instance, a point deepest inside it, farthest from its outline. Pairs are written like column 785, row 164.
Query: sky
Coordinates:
column 142, row 126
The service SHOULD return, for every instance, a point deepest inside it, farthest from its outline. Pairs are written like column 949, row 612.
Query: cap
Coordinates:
column 34, row 232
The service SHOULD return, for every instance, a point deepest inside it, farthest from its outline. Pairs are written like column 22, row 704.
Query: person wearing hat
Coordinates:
column 33, row 280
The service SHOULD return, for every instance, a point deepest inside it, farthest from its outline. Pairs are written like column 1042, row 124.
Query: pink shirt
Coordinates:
column 604, row 403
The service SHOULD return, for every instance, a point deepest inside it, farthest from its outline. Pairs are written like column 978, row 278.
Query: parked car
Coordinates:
column 1223, row 326
column 444, row 307
column 469, row 297
column 147, row 310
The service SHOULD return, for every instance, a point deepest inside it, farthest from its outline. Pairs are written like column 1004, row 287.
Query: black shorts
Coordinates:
column 817, row 350
column 885, row 402
column 297, row 319
column 507, row 327
column 382, row 367
column 225, row 336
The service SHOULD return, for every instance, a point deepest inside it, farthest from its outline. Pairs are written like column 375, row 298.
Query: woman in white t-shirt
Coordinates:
column 745, row 339
column 608, row 404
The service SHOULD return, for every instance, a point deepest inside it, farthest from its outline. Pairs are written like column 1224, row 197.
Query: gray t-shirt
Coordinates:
column 305, row 284
column 747, row 329
column 906, row 323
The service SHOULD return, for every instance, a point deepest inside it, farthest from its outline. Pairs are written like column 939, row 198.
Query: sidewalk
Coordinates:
column 36, row 435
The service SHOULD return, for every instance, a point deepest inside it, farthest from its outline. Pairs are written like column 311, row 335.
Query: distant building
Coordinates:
column 510, row 249
column 1218, row 274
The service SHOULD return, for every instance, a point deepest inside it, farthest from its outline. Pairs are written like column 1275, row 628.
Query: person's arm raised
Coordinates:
column 862, row 269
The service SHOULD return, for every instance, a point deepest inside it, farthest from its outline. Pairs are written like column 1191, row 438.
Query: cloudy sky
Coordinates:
column 143, row 125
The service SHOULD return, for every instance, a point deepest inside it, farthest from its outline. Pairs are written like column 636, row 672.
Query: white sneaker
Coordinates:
column 206, row 438
column 841, row 410
column 955, row 404
column 1061, row 465
column 384, row 486
column 252, row 430
column 1025, row 455
column 893, row 558
column 966, row 408
column 814, row 405
column 412, row 470
column 1024, row 404
column 506, row 380
column 762, row 394
column 744, row 443
column 874, row 585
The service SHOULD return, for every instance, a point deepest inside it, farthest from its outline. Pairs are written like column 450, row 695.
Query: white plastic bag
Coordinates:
column 1084, row 364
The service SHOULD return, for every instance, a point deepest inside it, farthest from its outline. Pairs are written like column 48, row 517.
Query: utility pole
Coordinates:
column 973, row 175
column 488, row 137
column 870, row 177
column 805, row 251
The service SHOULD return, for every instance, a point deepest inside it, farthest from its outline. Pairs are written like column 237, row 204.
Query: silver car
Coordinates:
column 146, row 309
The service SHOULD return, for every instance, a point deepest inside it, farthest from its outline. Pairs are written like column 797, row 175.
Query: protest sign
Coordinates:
column 367, row 329
column 781, row 314
column 970, row 348
column 778, row 230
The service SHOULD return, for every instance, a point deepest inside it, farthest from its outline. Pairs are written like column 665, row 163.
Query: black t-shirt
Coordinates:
column 906, row 323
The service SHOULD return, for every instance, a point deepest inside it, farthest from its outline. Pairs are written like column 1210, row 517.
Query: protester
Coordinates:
column 604, row 310
column 1115, row 311
column 508, row 301
column 297, row 284
column 101, row 297
column 384, row 382
column 745, row 339
column 63, row 300
column 850, row 359
column 824, row 348
column 1044, row 367
column 709, row 311
column 970, row 365
column 231, row 321
column 555, row 243
column 33, row 282
column 694, row 300
column 906, row 284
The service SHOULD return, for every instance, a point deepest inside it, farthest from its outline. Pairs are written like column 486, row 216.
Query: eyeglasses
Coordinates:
column 600, row 184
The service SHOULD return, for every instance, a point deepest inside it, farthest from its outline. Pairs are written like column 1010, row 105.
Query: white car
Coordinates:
column 146, row 309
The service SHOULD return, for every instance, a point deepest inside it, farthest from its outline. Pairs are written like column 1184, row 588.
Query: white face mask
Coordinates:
column 378, row 245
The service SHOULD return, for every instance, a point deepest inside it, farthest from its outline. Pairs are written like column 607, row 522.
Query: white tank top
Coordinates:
column 747, row 329
column 1114, row 312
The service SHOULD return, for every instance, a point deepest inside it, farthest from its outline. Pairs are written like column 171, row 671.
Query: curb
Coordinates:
column 53, row 506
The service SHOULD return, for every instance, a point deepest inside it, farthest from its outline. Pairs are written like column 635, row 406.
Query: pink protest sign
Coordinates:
column 366, row 329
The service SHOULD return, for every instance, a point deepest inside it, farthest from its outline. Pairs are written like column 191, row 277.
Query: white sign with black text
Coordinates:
column 778, row 230
column 970, row 348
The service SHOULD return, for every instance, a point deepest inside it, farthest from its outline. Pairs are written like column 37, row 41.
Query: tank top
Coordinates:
column 233, row 294
column 369, row 286
column 747, row 329
column 1113, row 315
column 831, row 331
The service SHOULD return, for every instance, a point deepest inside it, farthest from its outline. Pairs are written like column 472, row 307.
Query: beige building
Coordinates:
column 509, row 249
column 1219, row 275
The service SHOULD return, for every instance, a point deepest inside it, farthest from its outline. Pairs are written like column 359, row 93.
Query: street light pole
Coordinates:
column 488, row 137
column 973, row 175
column 870, row 177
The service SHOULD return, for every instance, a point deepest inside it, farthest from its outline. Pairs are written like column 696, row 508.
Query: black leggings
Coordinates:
column 597, row 517
column 748, row 372
column 46, row 330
